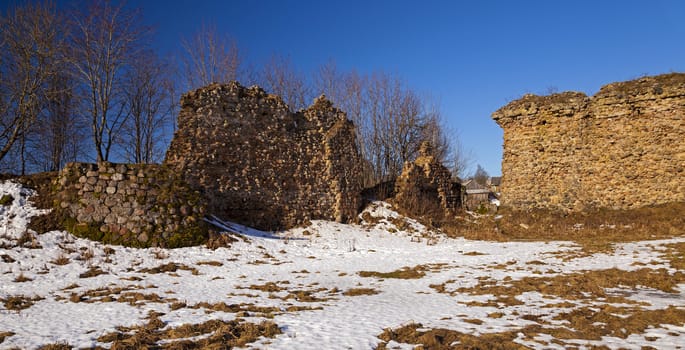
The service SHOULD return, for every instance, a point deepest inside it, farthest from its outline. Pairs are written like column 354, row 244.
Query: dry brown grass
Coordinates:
column 584, row 323
column 92, row 272
column 593, row 323
column 211, row 263
column 265, row 311
column 61, row 259
column 580, row 285
column 270, row 287
column 305, row 296
column 128, row 294
column 4, row 335
column 85, row 254
column 439, row 339
column 594, row 230
column 177, row 305
column 220, row 240
column 360, row 291
column 28, row 240
column 19, row 302
column 21, row 278
column 170, row 267
column 474, row 253
column 675, row 255
column 56, row 346
column 406, row 272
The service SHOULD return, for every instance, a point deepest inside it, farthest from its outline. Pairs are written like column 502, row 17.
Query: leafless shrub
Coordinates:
column 61, row 259
column 21, row 278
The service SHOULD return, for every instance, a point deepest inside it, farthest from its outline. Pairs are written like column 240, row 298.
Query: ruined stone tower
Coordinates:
column 621, row 148
column 260, row 164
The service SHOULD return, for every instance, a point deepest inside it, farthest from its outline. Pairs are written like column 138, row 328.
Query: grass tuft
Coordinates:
column 19, row 302
column 21, row 278
column 415, row 272
column 360, row 291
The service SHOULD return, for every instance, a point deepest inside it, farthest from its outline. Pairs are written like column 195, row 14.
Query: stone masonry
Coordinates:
column 136, row 205
column 260, row 164
column 621, row 148
column 426, row 187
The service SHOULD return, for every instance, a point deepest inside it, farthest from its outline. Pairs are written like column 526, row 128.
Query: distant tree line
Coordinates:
column 84, row 83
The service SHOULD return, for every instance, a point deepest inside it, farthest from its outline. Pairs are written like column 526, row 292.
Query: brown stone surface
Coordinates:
column 426, row 187
column 621, row 148
column 260, row 164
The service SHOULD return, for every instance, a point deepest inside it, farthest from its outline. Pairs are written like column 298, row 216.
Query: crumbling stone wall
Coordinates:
column 136, row 205
column 260, row 164
column 426, row 187
column 621, row 148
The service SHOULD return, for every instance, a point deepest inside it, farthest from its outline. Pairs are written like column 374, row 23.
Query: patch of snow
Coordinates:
column 326, row 261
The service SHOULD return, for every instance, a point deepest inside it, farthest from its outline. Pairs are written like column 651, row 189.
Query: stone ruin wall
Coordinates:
column 426, row 183
column 622, row 148
column 262, row 165
column 140, row 205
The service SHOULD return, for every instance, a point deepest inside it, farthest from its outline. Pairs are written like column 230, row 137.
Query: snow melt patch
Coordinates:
column 16, row 213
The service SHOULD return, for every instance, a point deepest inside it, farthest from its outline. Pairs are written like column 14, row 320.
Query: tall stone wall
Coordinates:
column 140, row 205
column 621, row 148
column 258, row 163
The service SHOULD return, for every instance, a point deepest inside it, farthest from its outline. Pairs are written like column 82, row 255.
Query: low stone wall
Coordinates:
column 130, row 204
column 621, row 148
column 425, row 186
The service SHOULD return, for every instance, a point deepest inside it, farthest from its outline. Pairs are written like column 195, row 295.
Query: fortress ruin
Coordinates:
column 622, row 148
column 260, row 164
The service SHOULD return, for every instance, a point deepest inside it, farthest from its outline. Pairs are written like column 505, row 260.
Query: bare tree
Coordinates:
column 149, row 94
column 104, row 39
column 459, row 159
column 209, row 57
column 481, row 176
column 396, row 126
column 280, row 77
column 29, row 52
column 57, row 138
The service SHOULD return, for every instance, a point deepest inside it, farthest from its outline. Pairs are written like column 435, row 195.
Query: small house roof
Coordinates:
column 495, row 181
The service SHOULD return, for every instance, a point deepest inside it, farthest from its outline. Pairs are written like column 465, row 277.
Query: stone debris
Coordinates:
column 425, row 186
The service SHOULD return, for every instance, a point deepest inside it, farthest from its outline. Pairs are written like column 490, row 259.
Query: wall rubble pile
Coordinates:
column 426, row 186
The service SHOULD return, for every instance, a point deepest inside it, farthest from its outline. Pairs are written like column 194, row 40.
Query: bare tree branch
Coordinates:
column 29, row 54
column 104, row 39
column 209, row 57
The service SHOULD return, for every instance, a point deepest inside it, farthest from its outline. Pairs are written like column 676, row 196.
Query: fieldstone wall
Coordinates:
column 426, row 187
column 621, row 148
column 130, row 204
column 258, row 163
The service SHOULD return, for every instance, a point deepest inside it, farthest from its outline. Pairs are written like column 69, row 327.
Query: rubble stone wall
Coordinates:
column 426, row 187
column 621, row 148
column 260, row 164
column 138, row 205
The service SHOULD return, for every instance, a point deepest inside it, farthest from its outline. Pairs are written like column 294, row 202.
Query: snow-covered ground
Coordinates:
column 312, row 267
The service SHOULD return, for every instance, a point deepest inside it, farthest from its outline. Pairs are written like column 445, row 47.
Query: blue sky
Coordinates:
column 472, row 56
